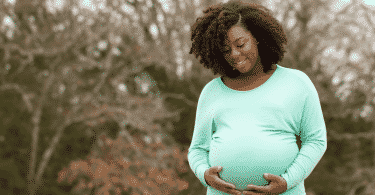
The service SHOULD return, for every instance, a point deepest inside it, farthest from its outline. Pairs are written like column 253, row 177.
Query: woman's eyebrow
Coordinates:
column 237, row 40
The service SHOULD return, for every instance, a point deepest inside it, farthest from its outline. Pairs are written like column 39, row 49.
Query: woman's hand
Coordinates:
column 277, row 185
column 213, row 179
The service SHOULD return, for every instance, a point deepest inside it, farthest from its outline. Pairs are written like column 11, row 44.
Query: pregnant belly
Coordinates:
column 245, row 159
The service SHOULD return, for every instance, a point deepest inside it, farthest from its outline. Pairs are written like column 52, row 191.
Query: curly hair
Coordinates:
column 210, row 31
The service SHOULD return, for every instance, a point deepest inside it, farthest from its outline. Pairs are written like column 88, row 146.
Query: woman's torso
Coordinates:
column 245, row 157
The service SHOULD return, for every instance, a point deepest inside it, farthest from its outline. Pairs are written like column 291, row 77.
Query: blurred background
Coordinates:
column 99, row 97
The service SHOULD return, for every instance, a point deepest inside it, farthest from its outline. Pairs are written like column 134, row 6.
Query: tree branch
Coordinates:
column 350, row 136
column 48, row 153
column 25, row 97
column 179, row 96
column 48, row 52
column 107, row 68
column 33, row 184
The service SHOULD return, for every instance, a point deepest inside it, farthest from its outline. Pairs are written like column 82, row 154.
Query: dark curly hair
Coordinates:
column 210, row 31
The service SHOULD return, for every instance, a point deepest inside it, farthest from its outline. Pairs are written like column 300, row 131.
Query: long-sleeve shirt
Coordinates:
column 253, row 132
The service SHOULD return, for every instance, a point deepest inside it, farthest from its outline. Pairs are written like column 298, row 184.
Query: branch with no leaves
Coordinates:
column 351, row 136
column 48, row 52
column 33, row 182
column 25, row 96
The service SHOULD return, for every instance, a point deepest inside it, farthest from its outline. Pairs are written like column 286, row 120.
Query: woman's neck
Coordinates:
column 251, row 78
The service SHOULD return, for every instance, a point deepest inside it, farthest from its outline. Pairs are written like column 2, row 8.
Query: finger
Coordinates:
column 235, row 192
column 256, row 188
column 227, row 185
column 231, row 186
column 230, row 189
column 253, row 193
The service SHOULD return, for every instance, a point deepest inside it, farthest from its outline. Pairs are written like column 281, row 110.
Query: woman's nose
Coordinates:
column 235, row 52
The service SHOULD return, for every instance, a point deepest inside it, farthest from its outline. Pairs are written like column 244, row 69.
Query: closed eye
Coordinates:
column 237, row 46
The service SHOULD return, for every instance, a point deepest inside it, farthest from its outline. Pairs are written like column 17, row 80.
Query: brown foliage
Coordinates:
column 116, row 169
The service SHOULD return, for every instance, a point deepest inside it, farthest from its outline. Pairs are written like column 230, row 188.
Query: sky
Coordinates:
column 369, row 3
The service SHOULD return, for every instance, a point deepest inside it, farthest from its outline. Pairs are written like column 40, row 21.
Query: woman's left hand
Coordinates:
column 277, row 185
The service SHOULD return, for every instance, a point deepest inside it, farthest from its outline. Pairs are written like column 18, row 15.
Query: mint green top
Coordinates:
column 253, row 132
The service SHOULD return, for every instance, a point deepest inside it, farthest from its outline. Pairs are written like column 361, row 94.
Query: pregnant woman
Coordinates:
column 247, row 120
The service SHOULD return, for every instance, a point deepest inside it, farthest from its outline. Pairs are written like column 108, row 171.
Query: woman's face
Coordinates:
column 241, row 51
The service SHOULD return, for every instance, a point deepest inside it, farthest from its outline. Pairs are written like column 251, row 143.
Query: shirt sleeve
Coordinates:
column 198, row 154
column 313, row 135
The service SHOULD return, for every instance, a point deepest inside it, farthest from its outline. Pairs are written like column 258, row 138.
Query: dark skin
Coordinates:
column 276, row 184
column 242, row 47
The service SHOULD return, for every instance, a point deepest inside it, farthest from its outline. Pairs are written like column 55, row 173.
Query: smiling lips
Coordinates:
column 240, row 63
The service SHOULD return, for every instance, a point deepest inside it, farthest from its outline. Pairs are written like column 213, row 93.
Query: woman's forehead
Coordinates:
column 234, row 33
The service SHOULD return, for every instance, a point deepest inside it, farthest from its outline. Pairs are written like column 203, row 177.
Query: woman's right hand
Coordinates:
column 213, row 179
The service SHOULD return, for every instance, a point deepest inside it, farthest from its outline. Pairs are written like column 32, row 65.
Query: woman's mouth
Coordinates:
column 241, row 63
